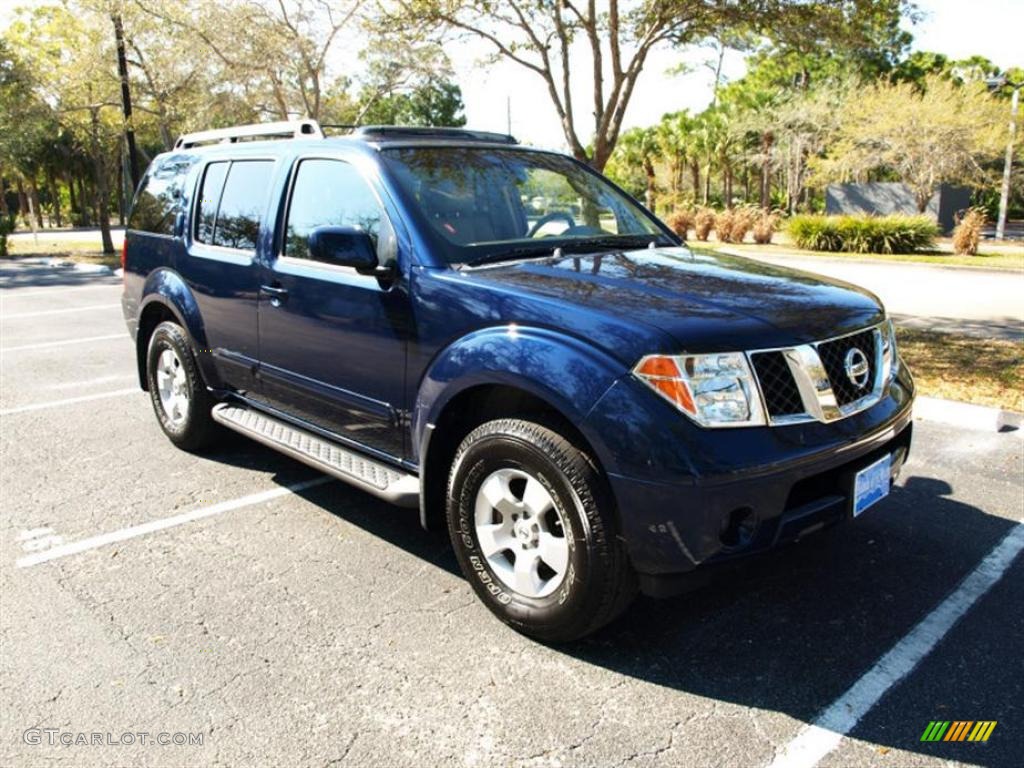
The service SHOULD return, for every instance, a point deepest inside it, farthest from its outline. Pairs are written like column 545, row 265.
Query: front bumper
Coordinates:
column 703, row 497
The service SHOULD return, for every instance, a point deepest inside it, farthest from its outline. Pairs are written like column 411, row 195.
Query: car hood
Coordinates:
column 703, row 301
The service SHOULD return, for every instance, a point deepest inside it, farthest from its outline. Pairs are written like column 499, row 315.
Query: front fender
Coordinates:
column 565, row 372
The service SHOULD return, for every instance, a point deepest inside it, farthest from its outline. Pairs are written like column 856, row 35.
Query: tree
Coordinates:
column 639, row 148
column 619, row 37
column 942, row 134
column 72, row 63
column 276, row 51
column 437, row 103
column 678, row 148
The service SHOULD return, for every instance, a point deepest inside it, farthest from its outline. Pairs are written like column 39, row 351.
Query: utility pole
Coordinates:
column 126, row 100
column 1004, row 192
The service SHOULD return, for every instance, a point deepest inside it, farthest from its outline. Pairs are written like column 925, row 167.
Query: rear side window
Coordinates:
column 231, row 203
column 158, row 201
column 209, row 200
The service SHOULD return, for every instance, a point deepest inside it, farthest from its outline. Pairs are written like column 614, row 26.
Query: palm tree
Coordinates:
column 639, row 148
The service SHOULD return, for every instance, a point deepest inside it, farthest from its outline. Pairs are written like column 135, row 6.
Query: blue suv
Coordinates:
column 506, row 340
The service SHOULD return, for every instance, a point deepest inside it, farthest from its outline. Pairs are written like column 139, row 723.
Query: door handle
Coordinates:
column 277, row 294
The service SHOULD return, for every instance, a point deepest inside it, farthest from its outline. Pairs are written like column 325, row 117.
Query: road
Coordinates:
column 145, row 589
column 974, row 301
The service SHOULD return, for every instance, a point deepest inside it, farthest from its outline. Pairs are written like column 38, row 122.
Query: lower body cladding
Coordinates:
column 678, row 535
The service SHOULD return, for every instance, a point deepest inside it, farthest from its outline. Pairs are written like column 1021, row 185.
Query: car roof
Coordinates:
column 302, row 133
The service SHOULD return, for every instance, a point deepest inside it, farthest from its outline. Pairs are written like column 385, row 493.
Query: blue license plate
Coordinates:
column 871, row 484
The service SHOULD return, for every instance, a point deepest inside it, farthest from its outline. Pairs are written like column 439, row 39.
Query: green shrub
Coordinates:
column 863, row 234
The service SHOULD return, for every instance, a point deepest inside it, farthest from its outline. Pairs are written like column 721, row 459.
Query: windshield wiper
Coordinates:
column 571, row 245
column 512, row 254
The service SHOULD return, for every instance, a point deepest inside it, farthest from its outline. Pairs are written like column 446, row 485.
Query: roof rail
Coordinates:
column 292, row 129
column 418, row 132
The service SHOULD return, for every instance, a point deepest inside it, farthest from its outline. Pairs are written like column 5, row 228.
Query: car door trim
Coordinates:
column 329, row 393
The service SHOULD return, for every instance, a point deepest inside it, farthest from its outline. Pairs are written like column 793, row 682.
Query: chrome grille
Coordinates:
column 810, row 382
column 781, row 397
column 833, row 357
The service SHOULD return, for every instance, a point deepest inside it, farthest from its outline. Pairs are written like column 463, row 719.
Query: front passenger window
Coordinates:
column 332, row 193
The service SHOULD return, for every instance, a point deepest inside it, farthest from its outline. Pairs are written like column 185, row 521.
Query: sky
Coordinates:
column 957, row 28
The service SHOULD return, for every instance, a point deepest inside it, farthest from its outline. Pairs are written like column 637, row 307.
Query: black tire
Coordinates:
column 197, row 429
column 599, row 582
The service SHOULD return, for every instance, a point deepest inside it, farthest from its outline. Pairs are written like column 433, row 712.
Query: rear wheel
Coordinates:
column 533, row 528
column 180, row 398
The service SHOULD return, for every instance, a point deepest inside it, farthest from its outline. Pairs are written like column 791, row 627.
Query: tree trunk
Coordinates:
column 120, row 194
column 126, row 99
column 102, row 194
column 22, row 200
column 33, row 191
column 4, row 210
column 767, row 140
column 727, row 186
column 652, row 189
column 83, row 206
column 695, row 176
column 51, row 183
column 72, row 199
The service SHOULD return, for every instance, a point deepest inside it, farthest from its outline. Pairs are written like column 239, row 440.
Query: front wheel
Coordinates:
column 180, row 398
column 533, row 528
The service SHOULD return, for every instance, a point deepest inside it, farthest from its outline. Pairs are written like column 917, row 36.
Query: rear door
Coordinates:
column 221, row 266
column 332, row 341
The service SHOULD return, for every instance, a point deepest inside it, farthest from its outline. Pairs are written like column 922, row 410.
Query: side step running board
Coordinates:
column 367, row 474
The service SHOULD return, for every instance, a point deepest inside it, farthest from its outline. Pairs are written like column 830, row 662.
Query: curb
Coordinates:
column 967, row 415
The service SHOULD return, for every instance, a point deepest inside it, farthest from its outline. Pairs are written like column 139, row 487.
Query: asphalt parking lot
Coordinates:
column 147, row 590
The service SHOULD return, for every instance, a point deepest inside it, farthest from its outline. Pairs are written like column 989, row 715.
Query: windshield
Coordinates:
column 485, row 204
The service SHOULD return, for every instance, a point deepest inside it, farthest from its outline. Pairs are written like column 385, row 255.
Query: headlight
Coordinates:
column 713, row 390
column 890, row 355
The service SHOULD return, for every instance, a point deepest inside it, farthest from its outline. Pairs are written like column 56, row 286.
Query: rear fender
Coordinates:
column 166, row 289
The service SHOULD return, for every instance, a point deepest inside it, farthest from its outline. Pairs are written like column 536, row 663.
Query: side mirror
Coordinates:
column 344, row 247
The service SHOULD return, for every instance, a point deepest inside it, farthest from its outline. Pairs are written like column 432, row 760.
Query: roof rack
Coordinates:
column 417, row 132
column 292, row 129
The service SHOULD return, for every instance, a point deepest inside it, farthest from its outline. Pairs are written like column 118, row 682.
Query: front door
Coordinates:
column 332, row 341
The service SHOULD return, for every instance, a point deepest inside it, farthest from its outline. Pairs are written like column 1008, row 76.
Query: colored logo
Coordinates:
column 958, row 730
column 857, row 369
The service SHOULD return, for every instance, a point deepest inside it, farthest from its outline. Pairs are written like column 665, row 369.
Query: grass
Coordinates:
column 965, row 368
column 1004, row 258
column 81, row 251
column 45, row 247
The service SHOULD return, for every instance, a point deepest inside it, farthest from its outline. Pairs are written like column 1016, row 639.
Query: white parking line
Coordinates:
column 68, row 401
column 824, row 734
column 94, row 542
column 16, row 292
column 65, row 342
column 92, row 382
column 64, row 311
